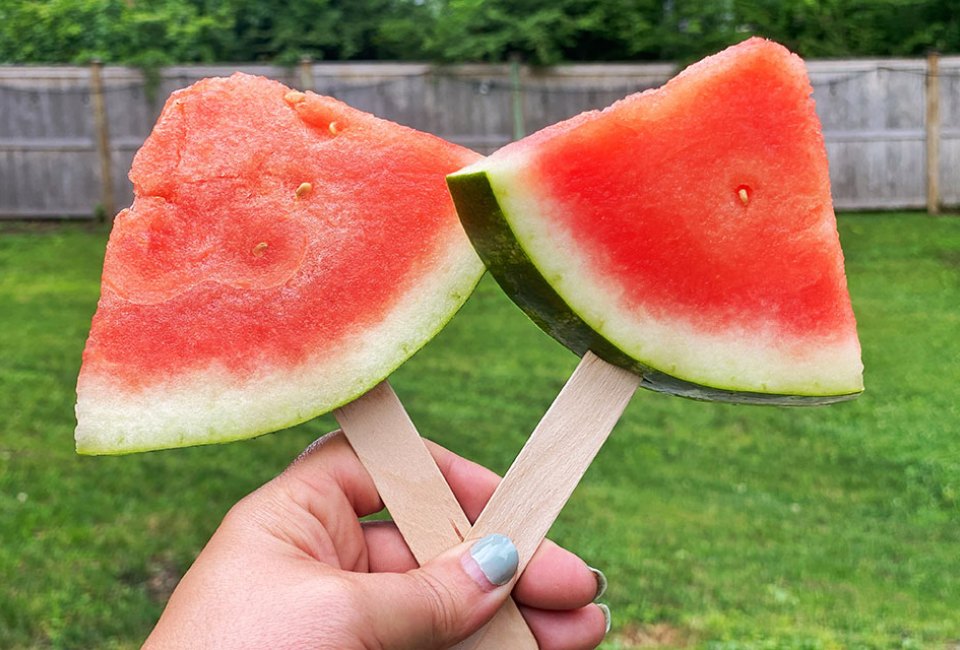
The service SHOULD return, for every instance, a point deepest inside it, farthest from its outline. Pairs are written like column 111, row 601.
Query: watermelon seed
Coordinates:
column 743, row 194
column 294, row 97
column 305, row 188
column 334, row 129
column 259, row 249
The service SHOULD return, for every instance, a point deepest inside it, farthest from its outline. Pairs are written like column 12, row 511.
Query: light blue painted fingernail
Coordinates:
column 497, row 558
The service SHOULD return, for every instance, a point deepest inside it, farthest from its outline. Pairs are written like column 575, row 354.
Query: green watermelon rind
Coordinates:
column 505, row 254
column 205, row 409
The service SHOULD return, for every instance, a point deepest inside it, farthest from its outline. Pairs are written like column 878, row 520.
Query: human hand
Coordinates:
column 291, row 566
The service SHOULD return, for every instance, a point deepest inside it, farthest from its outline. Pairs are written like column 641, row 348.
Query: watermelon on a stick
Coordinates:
column 283, row 255
column 682, row 239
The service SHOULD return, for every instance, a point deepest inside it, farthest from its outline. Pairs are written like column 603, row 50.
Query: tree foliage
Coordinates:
column 157, row 32
column 205, row 31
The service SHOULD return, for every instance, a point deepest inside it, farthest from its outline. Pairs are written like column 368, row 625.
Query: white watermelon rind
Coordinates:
column 540, row 269
column 209, row 406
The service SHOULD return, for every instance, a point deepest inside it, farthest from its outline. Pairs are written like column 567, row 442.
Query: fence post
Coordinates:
column 306, row 73
column 933, row 133
column 519, row 128
column 100, row 124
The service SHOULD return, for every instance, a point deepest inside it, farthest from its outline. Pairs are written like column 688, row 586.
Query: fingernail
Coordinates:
column 601, row 582
column 606, row 617
column 496, row 557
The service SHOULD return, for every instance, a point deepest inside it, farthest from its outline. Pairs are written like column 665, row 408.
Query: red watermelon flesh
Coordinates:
column 686, row 232
column 283, row 254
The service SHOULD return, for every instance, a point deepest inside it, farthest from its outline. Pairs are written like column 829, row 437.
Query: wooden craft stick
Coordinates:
column 550, row 465
column 415, row 492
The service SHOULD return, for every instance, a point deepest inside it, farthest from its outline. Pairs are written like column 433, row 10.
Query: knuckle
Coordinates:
column 343, row 625
column 441, row 602
column 256, row 511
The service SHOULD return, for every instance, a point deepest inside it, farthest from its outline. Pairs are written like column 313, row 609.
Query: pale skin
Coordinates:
column 292, row 566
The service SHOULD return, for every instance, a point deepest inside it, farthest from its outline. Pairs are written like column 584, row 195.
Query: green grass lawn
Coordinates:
column 719, row 526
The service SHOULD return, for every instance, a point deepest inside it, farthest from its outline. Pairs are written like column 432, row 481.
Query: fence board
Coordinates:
column 873, row 113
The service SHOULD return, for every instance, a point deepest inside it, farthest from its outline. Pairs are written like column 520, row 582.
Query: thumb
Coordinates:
column 442, row 602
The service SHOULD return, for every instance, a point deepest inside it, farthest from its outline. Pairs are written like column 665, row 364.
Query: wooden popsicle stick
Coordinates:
column 551, row 463
column 415, row 492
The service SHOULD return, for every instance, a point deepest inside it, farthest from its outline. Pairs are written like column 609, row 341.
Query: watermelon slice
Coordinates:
column 284, row 253
column 686, row 233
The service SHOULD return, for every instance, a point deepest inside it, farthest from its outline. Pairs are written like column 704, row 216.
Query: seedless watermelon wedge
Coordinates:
column 685, row 233
column 683, row 239
column 284, row 253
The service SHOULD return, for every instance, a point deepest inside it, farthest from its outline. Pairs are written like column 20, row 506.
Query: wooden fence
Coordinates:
column 68, row 134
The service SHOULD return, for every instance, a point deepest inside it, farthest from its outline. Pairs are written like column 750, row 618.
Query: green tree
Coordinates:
column 62, row 31
column 543, row 32
column 197, row 31
column 326, row 29
column 839, row 28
